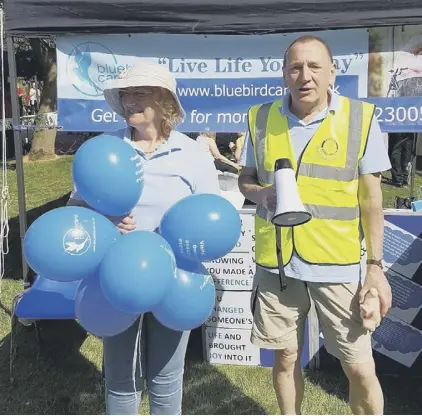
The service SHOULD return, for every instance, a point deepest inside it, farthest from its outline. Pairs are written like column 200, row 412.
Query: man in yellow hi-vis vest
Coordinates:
column 338, row 153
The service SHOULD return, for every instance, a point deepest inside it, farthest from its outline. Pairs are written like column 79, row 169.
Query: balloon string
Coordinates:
column 136, row 354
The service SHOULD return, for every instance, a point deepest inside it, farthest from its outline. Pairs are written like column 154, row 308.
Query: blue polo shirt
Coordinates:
column 178, row 168
column 374, row 160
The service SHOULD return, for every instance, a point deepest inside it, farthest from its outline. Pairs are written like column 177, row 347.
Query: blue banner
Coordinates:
column 216, row 104
column 398, row 114
column 220, row 76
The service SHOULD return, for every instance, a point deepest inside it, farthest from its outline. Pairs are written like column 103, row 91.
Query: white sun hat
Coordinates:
column 142, row 74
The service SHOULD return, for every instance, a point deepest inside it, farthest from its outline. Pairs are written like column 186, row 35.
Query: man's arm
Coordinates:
column 372, row 219
column 249, row 185
column 372, row 215
column 252, row 190
column 374, row 161
column 248, row 179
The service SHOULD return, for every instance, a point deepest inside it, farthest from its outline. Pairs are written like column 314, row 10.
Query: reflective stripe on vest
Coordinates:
column 320, row 182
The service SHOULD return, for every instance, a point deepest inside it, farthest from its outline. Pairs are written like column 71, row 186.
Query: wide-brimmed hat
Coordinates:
column 142, row 74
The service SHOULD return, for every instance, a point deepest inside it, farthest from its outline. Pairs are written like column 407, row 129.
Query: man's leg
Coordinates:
column 394, row 151
column 288, row 381
column 338, row 311
column 365, row 394
column 279, row 319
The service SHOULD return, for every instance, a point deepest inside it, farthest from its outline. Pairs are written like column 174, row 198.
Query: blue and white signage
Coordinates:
column 219, row 77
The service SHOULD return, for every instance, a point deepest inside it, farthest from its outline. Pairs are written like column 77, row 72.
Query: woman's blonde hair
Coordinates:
column 166, row 104
column 169, row 111
column 209, row 134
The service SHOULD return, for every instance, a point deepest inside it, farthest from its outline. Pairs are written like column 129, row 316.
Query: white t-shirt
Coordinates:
column 34, row 95
column 410, row 57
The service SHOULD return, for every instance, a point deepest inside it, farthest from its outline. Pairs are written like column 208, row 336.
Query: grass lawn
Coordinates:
column 64, row 377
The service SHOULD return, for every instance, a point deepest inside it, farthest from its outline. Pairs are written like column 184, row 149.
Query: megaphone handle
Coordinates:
column 281, row 273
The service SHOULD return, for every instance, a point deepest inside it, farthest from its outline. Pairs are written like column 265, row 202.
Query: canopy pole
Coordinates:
column 18, row 152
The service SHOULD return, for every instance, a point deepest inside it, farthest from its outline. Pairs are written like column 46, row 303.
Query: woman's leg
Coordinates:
column 224, row 167
column 122, row 398
column 166, row 350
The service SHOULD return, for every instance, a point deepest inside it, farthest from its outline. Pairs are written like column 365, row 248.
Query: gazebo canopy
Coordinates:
column 40, row 17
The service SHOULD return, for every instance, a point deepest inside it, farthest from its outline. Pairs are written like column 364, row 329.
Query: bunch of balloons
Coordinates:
column 121, row 276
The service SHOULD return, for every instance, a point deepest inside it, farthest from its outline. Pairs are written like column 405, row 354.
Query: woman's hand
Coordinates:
column 127, row 224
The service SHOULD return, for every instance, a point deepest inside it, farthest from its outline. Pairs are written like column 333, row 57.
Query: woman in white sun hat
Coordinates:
column 174, row 166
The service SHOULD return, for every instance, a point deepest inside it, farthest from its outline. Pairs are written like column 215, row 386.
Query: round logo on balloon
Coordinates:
column 77, row 241
column 68, row 243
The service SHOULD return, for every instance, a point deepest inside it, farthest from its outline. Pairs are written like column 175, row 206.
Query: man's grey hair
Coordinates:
column 306, row 39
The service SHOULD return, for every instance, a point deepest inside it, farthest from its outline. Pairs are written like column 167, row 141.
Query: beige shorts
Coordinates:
column 279, row 317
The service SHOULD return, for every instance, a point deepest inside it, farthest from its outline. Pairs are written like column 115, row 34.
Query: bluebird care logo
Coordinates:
column 90, row 66
column 77, row 241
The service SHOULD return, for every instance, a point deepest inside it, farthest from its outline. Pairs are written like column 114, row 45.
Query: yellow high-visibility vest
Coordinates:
column 327, row 177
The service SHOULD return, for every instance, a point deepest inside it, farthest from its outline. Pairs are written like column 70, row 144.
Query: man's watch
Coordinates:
column 375, row 263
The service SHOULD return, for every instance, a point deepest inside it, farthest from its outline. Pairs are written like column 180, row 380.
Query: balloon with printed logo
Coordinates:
column 68, row 243
column 96, row 315
column 108, row 174
column 137, row 272
column 190, row 301
column 201, row 227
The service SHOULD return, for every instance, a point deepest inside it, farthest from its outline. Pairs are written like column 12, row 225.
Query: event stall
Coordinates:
column 226, row 57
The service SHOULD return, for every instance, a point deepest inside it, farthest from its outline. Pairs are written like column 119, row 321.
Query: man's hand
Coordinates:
column 127, row 224
column 268, row 198
column 252, row 190
column 375, row 278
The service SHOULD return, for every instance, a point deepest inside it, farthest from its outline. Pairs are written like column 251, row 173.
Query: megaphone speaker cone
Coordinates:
column 290, row 211
column 291, row 219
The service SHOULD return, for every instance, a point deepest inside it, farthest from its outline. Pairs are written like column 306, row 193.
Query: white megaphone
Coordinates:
column 290, row 211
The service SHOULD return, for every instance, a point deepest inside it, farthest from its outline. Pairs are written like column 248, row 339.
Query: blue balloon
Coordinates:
column 201, row 227
column 96, row 315
column 137, row 272
column 48, row 299
column 108, row 174
column 68, row 243
column 190, row 301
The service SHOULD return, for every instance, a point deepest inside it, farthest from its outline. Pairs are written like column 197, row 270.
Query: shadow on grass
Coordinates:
column 402, row 392
column 208, row 392
column 58, row 379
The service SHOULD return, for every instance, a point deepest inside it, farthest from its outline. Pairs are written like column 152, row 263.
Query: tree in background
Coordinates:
column 37, row 58
column 43, row 141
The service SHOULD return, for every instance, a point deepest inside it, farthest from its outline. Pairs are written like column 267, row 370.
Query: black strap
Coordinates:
column 281, row 273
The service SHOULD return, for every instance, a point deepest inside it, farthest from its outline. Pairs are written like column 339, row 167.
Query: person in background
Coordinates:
column 338, row 165
column 34, row 97
column 207, row 141
column 408, row 65
column 21, row 100
column 400, row 147
column 408, row 76
column 174, row 167
column 236, row 148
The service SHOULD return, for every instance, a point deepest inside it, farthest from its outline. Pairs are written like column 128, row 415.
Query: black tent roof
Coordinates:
column 43, row 17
